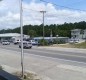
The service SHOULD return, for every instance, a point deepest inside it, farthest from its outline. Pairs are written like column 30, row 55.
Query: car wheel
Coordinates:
column 19, row 46
column 30, row 47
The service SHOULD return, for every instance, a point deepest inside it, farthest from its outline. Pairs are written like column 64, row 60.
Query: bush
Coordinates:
column 43, row 42
column 59, row 41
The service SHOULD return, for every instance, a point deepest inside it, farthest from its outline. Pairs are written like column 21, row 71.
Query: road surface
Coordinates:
column 53, row 64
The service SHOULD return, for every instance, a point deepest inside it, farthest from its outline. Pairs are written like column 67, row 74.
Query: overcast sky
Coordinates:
column 10, row 16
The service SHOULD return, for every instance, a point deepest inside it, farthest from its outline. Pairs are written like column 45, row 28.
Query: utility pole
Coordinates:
column 43, row 12
column 22, row 52
column 51, row 34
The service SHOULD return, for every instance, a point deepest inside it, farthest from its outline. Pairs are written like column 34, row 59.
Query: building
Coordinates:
column 12, row 36
column 49, row 39
column 78, row 34
column 84, row 35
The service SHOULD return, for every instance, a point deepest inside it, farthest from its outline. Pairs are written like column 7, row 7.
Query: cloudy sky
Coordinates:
column 55, row 14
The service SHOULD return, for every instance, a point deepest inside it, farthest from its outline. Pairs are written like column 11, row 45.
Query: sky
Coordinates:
column 72, row 11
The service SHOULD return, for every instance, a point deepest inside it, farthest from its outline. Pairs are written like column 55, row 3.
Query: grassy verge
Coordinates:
column 77, row 45
column 80, row 45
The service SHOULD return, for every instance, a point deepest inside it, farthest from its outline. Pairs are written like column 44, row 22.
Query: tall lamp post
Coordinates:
column 21, row 25
column 43, row 12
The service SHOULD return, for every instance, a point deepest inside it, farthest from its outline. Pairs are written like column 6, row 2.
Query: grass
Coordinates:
column 79, row 45
column 76, row 45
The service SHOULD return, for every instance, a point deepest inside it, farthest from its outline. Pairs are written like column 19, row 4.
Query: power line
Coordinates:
column 62, row 6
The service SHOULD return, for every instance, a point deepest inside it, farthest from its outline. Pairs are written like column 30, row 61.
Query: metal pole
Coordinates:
column 43, row 25
column 51, row 35
column 21, row 25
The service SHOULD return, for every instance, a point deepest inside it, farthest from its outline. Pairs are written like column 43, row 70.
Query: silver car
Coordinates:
column 5, row 42
column 25, row 45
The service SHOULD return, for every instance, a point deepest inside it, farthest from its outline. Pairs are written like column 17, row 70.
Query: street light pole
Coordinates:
column 21, row 25
column 43, row 12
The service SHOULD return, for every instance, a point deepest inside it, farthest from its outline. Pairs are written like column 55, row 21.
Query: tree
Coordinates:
column 32, row 33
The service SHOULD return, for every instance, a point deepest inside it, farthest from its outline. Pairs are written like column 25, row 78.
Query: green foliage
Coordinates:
column 56, row 41
column 43, row 42
column 32, row 33
column 37, row 30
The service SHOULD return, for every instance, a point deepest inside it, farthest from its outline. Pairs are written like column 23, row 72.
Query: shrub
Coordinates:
column 58, row 41
column 43, row 42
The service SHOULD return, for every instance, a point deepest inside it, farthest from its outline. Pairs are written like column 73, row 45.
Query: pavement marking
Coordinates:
column 50, row 57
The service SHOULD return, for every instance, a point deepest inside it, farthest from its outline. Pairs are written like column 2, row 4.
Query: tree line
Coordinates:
column 37, row 30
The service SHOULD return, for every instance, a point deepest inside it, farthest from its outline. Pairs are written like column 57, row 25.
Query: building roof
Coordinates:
column 10, row 35
column 49, row 37
column 13, row 35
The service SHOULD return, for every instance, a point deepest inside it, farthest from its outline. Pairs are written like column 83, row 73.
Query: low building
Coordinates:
column 78, row 34
column 84, row 35
column 65, row 39
column 12, row 36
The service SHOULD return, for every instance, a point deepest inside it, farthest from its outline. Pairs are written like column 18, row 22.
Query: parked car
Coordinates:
column 5, row 42
column 33, row 42
column 17, row 41
column 71, row 41
column 76, row 41
column 26, row 44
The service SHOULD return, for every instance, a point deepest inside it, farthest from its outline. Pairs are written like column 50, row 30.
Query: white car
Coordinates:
column 71, row 41
column 76, row 41
column 33, row 42
column 25, row 45
column 17, row 41
column 5, row 42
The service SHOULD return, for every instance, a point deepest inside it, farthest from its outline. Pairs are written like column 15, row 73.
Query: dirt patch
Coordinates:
column 27, row 76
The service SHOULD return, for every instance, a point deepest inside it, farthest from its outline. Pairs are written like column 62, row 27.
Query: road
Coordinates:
column 65, row 55
column 54, row 64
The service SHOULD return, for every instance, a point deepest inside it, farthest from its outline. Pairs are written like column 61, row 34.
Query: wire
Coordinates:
column 62, row 6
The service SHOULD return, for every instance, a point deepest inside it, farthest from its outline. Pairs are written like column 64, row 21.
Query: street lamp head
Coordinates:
column 42, row 11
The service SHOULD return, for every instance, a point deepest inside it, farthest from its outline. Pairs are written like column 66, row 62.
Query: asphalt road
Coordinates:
column 65, row 55
column 54, row 64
